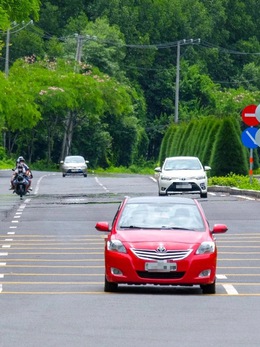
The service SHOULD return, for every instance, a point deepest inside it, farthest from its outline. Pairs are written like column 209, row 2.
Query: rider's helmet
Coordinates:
column 21, row 159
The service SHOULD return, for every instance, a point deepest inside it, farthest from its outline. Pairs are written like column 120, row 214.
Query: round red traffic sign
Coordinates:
column 249, row 116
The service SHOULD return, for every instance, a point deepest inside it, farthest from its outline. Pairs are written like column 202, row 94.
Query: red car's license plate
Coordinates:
column 160, row 266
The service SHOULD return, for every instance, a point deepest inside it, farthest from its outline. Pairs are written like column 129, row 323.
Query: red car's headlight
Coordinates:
column 116, row 245
column 206, row 247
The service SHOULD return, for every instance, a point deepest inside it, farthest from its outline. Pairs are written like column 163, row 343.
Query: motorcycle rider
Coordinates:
column 28, row 174
column 18, row 170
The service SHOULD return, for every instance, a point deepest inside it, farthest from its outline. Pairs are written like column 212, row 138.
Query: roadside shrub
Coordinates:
column 234, row 180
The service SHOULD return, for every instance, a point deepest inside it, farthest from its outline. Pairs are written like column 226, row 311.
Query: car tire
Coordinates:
column 85, row 175
column 63, row 175
column 110, row 286
column 204, row 195
column 209, row 288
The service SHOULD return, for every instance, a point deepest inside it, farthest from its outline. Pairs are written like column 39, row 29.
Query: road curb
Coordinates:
column 235, row 191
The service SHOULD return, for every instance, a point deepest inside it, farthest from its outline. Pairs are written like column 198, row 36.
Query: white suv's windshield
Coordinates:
column 182, row 164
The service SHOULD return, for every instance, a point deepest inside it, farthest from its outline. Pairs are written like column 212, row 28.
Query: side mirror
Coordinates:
column 87, row 161
column 207, row 168
column 102, row 226
column 219, row 229
column 61, row 162
column 158, row 169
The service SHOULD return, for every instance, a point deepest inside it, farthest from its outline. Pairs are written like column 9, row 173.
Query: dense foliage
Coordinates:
column 98, row 78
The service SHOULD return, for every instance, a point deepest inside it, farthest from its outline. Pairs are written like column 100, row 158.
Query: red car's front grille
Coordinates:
column 156, row 255
column 161, row 275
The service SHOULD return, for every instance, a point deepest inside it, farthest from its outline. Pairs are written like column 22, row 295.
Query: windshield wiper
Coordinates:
column 177, row 228
column 130, row 227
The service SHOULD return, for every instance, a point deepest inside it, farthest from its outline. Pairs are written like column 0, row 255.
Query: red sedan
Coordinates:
column 162, row 241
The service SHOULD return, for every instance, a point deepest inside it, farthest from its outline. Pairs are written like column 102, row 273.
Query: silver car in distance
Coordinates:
column 74, row 165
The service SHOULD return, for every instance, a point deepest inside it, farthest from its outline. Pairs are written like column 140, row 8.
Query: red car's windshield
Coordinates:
column 155, row 216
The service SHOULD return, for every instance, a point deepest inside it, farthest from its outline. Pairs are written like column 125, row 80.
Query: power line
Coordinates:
column 226, row 50
column 165, row 45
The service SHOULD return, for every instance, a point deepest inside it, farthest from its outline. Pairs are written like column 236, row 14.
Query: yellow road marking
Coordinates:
column 57, row 266
column 54, row 260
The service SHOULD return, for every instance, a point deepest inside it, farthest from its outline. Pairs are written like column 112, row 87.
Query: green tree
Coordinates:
column 18, row 10
column 228, row 154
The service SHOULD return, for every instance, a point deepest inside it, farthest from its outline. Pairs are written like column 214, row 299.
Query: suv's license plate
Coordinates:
column 183, row 185
column 160, row 267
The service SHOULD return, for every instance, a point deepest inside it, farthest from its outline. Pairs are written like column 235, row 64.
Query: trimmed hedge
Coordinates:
column 216, row 141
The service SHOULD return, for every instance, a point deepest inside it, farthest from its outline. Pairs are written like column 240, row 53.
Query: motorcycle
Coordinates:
column 21, row 183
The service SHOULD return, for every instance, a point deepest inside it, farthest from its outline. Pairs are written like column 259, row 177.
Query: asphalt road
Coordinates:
column 52, row 272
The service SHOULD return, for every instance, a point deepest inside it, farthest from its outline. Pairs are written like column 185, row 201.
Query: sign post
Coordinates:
column 251, row 136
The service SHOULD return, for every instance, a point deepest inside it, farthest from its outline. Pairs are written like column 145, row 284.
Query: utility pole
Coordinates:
column 177, row 84
column 13, row 29
column 79, row 48
column 7, row 52
column 80, row 41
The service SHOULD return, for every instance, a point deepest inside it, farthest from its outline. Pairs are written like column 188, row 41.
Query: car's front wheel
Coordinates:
column 204, row 195
column 209, row 288
column 162, row 194
column 110, row 286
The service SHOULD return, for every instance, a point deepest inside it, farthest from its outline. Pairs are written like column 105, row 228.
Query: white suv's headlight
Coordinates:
column 206, row 247
column 116, row 245
column 195, row 178
column 166, row 178
column 200, row 177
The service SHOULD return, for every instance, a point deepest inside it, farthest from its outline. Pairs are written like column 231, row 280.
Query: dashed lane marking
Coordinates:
column 230, row 289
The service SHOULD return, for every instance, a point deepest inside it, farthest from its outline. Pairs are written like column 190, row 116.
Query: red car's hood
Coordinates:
column 144, row 236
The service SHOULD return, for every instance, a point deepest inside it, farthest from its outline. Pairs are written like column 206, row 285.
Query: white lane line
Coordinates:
column 244, row 197
column 38, row 184
column 3, row 254
column 9, row 240
column 1, row 288
column 6, row 246
column 101, row 185
column 221, row 277
column 14, row 221
column 230, row 289
column 17, row 216
column 2, row 275
column 153, row 179
column 2, row 264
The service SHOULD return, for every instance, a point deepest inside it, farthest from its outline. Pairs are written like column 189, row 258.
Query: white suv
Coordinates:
column 183, row 175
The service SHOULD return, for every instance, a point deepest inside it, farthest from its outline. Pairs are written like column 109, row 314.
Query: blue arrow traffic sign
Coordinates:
column 248, row 137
